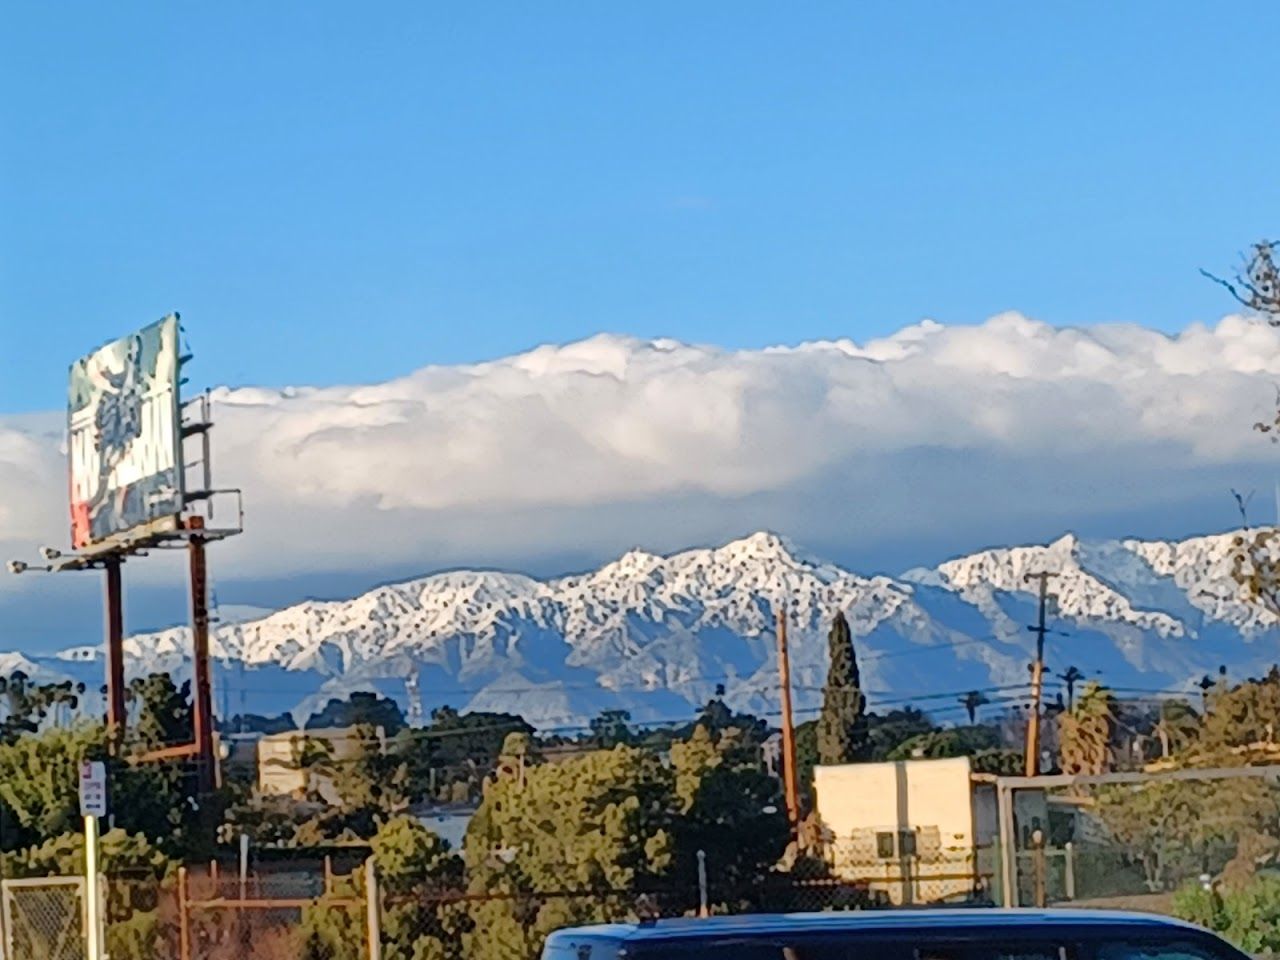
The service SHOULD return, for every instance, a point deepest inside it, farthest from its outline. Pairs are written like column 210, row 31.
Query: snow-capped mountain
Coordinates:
column 657, row 635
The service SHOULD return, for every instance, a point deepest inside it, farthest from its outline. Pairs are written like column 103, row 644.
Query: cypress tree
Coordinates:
column 842, row 726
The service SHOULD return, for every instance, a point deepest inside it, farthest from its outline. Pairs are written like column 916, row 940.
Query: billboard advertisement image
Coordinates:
column 124, row 440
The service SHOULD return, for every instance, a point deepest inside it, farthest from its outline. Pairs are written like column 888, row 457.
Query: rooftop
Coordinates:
column 863, row 921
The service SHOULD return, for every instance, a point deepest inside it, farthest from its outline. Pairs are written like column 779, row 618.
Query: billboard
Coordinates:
column 124, row 441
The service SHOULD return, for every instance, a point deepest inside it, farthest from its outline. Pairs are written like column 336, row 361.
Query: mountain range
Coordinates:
column 659, row 635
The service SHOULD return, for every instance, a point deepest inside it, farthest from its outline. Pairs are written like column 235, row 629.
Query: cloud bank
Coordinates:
column 938, row 437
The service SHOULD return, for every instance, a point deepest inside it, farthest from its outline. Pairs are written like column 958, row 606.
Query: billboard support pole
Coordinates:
column 113, row 595
column 203, row 695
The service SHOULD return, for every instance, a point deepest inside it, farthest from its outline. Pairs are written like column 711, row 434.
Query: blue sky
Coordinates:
column 336, row 193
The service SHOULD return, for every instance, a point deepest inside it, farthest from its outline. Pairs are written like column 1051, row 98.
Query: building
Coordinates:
column 916, row 831
column 447, row 821
column 771, row 755
column 281, row 767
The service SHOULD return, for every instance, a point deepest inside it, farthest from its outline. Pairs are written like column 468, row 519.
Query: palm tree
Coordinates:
column 1176, row 727
column 1071, row 677
column 971, row 702
column 1084, row 732
column 1206, row 684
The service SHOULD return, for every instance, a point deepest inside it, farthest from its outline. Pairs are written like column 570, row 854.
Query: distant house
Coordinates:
column 771, row 755
column 281, row 770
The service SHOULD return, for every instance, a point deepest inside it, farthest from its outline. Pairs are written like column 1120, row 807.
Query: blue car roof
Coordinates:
column 868, row 921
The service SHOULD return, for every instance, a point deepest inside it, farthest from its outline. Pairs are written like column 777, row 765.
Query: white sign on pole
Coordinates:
column 93, row 789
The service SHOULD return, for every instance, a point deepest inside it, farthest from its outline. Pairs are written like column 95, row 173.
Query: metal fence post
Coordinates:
column 1008, row 843
column 373, row 910
column 184, row 917
column 1069, row 870
column 92, row 890
column 704, row 909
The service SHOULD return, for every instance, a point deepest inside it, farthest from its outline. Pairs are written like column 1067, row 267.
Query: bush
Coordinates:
column 1249, row 917
column 330, row 933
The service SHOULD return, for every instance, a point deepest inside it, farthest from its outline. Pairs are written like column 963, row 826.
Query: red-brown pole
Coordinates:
column 203, row 696
column 113, row 595
column 789, row 777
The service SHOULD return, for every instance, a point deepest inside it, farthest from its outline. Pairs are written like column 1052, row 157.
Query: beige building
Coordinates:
column 280, row 760
column 917, row 831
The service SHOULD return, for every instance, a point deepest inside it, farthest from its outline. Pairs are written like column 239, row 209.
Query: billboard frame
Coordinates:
column 126, row 471
column 188, row 528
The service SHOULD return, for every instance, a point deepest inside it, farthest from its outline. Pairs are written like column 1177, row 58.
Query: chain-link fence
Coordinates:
column 290, row 912
column 1140, row 840
column 512, row 924
column 904, row 868
column 44, row 918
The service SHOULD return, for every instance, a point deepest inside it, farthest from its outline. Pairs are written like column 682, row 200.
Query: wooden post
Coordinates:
column 373, row 910
column 789, row 774
column 1033, row 722
column 1041, row 869
column 704, row 909
column 184, row 918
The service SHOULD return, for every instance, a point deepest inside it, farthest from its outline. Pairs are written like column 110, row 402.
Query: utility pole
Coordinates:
column 1037, row 674
column 788, row 730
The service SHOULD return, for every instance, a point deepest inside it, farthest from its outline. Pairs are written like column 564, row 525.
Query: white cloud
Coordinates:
column 568, row 451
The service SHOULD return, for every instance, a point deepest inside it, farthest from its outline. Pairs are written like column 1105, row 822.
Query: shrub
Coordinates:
column 1249, row 916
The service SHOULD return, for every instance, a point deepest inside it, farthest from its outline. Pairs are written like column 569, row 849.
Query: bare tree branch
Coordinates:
column 1257, row 284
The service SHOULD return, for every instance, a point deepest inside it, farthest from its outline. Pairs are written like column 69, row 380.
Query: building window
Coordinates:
column 884, row 845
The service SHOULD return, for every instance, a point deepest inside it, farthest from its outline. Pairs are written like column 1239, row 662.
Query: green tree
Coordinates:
column 361, row 709
column 364, row 783
column 162, row 714
column 1244, row 720
column 1085, row 732
column 611, row 728
column 980, row 743
column 718, row 718
column 24, row 705
column 456, row 749
column 597, row 823
column 417, row 872
column 806, row 759
column 1177, row 829
column 39, row 783
column 1248, row 917
column 1176, row 728
column 139, row 868
column 886, row 732
column 842, row 725
column 729, row 808
column 156, row 797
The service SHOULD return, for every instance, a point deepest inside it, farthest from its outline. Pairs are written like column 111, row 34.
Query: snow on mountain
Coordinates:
column 657, row 635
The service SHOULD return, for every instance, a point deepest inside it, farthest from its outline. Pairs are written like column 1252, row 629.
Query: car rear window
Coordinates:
column 862, row 949
column 1160, row 951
